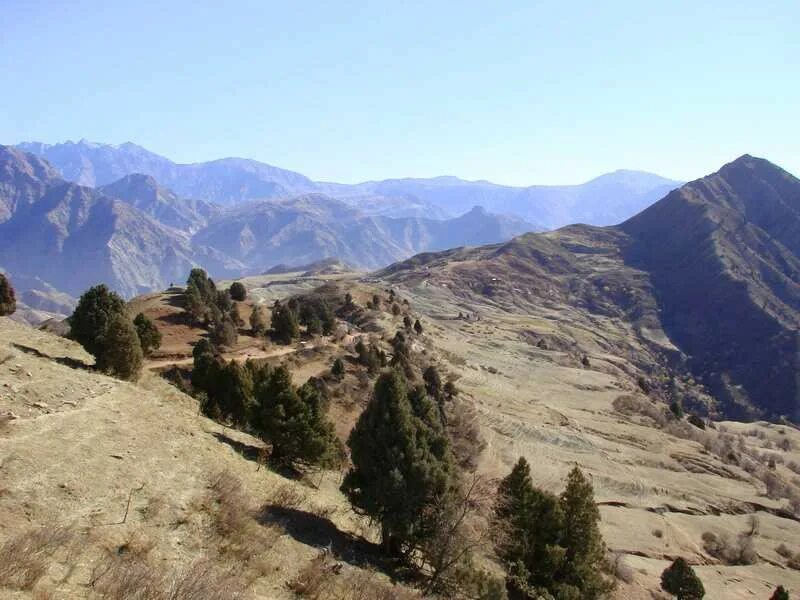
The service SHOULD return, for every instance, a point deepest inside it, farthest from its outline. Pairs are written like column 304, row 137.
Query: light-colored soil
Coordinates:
column 80, row 443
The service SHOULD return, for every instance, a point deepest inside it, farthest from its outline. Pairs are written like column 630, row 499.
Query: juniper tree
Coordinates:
column 284, row 324
column 149, row 335
column 90, row 319
column 581, row 538
column 528, row 528
column 223, row 332
column 680, row 580
column 8, row 300
column 401, row 465
column 293, row 421
column 122, row 352
column 237, row 291
column 337, row 369
column 407, row 324
column 101, row 325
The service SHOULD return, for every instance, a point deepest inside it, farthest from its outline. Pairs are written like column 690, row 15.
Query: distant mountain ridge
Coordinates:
column 605, row 200
column 138, row 236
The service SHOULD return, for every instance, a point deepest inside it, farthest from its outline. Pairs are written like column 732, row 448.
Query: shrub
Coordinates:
column 780, row 593
column 783, row 551
column 8, row 300
column 418, row 327
column 794, row 562
column 237, row 291
column 696, row 421
column 680, row 580
column 676, row 409
column 731, row 551
column 149, row 335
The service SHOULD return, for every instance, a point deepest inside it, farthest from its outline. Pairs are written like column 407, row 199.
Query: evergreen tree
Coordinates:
column 679, row 579
column 8, row 300
column 149, row 335
column 204, row 284
column 101, row 325
column 234, row 393
column 407, row 325
column 581, row 538
column 205, row 371
column 258, row 322
column 376, row 301
column 780, row 593
column 294, row 423
column 194, row 303
column 337, row 369
column 284, row 324
column 348, row 300
column 401, row 465
column 224, row 331
column 529, row 524
column 237, row 291
column 314, row 326
column 396, row 309
column 89, row 322
column 676, row 409
column 418, row 327
column 433, row 383
column 122, row 352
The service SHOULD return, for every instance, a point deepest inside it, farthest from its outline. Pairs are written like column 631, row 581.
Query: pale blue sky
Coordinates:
column 515, row 92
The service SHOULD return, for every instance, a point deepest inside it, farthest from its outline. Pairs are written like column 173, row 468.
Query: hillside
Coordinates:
column 708, row 276
column 605, row 200
column 135, row 470
column 724, row 256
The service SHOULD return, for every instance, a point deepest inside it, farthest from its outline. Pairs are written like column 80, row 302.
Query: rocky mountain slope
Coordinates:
column 145, row 194
column 138, row 236
column 307, row 228
column 723, row 253
column 605, row 200
column 707, row 277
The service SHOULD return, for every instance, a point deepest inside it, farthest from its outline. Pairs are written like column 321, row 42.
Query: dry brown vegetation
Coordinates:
column 324, row 578
column 25, row 559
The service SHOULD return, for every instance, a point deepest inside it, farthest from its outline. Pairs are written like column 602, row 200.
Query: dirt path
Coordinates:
column 239, row 356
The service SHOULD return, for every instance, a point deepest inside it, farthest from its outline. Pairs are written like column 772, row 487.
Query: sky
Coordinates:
column 517, row 93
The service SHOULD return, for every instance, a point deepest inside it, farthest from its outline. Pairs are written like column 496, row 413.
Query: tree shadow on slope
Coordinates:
column 248, row 451
column 258, row 454
column 320, row 532
column 67, row 361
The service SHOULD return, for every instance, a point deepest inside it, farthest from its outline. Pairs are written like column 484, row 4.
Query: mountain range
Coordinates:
column 606, row 200
column 138, row 236
column 708, row 278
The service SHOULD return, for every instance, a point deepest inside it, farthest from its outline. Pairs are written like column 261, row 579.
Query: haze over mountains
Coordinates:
column 138, row 236
column 606, row 200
